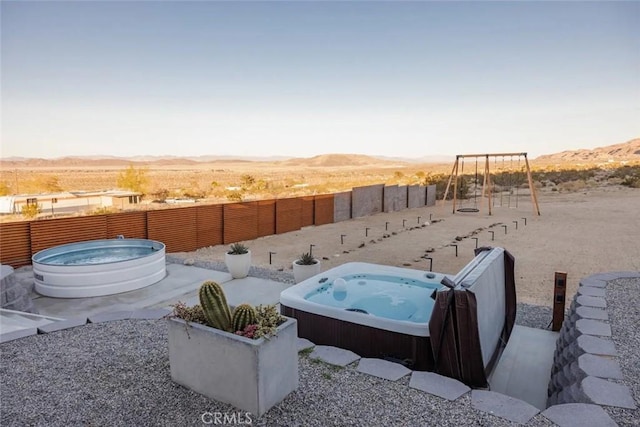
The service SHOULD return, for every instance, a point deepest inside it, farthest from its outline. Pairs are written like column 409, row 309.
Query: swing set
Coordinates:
column 486, row 183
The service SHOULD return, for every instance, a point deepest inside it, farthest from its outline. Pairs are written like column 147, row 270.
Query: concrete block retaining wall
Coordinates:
column 342, row 206
column 373, row 199
column 14, row 295
column 431, row 195
column 413, row 196
column 585, row 367
column 403, row 195
column 391, row 199
column 366, row 200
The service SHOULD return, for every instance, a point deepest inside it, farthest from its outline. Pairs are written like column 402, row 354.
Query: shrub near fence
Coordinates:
column 189, row 228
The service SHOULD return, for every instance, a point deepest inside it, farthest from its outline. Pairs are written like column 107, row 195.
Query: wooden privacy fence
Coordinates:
column 186, row 229
column 180, row 229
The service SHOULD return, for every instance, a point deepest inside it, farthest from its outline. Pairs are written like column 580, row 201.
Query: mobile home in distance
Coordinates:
column 70, row 202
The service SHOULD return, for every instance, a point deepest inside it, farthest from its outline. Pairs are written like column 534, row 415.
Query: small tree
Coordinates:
column 133, row 179
column 5, row 190
column 30, row 211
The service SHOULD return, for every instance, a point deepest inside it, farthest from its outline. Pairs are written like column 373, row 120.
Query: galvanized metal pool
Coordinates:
column 98, row 267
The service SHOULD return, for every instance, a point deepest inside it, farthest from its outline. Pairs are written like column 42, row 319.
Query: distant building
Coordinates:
column 70, row 202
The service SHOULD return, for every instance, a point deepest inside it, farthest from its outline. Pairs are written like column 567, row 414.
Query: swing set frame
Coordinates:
column 486, row 184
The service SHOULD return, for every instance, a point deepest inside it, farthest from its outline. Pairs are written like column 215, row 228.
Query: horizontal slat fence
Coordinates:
column 323, row 209
column 132, row 225
column 59, row 231
column 307, row 211
column 240, row 222
column 266, row 218
column 288, row 215
column 180, row 229
column 209, row 226
column 176, row 228
column 15, row 244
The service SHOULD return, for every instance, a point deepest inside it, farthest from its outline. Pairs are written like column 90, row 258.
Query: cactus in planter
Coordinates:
column 306, row 259
column 214, row 305
column 243, row 315
column 237, row 249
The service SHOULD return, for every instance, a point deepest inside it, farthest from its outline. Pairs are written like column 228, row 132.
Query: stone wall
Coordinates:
column 14, row 295
column 585, row 369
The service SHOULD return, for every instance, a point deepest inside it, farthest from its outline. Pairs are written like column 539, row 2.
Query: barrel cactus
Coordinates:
column 214, row 305
column 243, row 315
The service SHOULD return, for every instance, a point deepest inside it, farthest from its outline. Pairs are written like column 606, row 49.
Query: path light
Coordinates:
column 525, row 220
column 419, row 220
column 271, row 253
column 366, row 231
column 505, row 229
column 311, row 249
column 404, row 222
column 430, row 262
column 342, row 236
column 516, row 223
column 493, row 234
column 455, row 246
column 476, row 239
column 386, row 225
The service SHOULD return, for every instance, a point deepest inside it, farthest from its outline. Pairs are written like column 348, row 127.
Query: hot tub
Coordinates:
column 371, row 309
column 98, row 267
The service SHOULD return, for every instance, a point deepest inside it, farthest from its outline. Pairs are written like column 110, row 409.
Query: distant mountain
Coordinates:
column 113, row 161
column 627, row 151
column 341, row 160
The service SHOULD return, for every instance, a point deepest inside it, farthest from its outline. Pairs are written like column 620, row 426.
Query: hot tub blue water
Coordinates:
column 384, row 297
column 98, row 255
column 391, row 297
column 98, row 267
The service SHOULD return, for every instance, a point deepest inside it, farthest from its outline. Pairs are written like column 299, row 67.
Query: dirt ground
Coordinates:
column 579, row 233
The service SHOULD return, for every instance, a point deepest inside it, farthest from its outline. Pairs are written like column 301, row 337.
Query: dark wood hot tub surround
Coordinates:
column 365, row 341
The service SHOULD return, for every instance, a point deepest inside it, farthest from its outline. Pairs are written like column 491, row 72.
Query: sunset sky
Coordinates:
column 406, row 79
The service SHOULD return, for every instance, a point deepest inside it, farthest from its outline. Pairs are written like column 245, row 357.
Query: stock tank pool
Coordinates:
column 98, row 267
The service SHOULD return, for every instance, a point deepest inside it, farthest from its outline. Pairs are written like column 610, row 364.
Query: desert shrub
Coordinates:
column 31, row 211
column 159, row 195
column 571, row 186
column 630, row 181
column 103, row 210
column 234, row 196
column 247, row 181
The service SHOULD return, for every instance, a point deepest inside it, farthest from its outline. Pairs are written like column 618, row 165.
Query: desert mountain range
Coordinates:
column 627, row 151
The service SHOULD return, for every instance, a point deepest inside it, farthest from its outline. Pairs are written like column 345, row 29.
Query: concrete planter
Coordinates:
column 303, row 272
column 252, row 375
column 238, row 264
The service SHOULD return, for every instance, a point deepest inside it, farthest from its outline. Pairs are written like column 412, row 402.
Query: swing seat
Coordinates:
column 468, row 210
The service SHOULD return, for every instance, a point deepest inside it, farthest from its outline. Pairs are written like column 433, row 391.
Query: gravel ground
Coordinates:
column 117, row 374
column 623, row 302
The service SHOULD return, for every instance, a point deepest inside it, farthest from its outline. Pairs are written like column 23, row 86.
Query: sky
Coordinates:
column 303, row 78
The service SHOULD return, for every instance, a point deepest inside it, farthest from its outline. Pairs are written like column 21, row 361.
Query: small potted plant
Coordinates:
column 305, row 266
column 238, row 260
column 246, row 357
